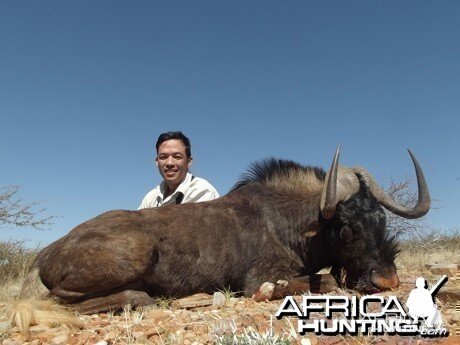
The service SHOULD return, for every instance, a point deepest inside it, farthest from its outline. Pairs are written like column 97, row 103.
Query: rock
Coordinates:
column 331, row 340
column 156, row 315
column 112, row 335
column 39, row 328
column 20, row 339
column 455, row 318
column 154, row 331
column 218, row 300
column 4, row 326
column 198, row 300
column 389, row 339
column 441, row 269
column 195, row 317
column 449, row 294
column 10, row 342
column 232, row 301
column 44, row 337
column 102, row 342
column 60, row 339
column 139, row 335
column 310, row 340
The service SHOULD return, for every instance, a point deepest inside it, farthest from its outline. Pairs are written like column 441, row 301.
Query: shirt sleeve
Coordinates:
column 200, row 191
column 143, row 204
column 149, row 199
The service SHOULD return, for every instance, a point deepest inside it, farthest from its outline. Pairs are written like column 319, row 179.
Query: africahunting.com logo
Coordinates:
column 372, row 314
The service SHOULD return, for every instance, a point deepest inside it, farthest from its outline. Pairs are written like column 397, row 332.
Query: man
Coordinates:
column 173, row 160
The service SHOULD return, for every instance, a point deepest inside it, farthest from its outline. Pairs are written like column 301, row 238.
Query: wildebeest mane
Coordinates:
column 264, row 170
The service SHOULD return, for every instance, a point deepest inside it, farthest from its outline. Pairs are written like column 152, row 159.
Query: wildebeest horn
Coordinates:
column 341, row 183
column 423, row 202
column 328, row 197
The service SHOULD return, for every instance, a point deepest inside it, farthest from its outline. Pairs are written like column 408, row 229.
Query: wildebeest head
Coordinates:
column 352, row 201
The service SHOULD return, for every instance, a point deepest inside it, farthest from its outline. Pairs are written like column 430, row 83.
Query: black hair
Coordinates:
column 175, row 135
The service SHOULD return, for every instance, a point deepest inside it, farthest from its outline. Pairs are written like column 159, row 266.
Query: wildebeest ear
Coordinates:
column 312, row 229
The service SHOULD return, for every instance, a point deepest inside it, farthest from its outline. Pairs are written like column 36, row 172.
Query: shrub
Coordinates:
column 15, row 260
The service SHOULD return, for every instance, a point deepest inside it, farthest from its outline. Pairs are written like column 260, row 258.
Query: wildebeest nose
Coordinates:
column 385, row 279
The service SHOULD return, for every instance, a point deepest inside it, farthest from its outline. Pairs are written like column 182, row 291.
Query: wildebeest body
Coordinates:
column 268, row 228
column 225, row 243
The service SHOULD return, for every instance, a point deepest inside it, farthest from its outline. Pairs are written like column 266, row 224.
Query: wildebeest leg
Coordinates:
column 33, row 286
column 101, row 301
column 112, row 302
column 316, row 283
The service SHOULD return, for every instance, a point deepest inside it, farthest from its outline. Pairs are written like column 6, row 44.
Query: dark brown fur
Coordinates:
column 254, row 234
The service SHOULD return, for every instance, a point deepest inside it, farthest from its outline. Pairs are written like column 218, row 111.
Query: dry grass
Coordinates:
column 412, row 261
column 416, row 254
column 15, row 260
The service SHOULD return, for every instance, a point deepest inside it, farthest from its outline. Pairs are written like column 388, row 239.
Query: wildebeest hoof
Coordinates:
column 265, row 292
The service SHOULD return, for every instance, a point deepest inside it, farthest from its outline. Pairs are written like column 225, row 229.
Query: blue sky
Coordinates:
column 86, row 87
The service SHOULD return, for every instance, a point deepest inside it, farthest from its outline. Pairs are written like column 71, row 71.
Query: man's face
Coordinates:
column 172, row 162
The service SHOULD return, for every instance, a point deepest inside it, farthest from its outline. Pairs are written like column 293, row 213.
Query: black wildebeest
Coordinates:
column 280, row 222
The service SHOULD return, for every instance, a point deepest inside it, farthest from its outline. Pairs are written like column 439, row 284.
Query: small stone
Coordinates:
column 455, row 318
column 20, row 339
column 195, row 317
column 233, row 301
column 39, row 328
column 313, row 340
column 218, row 300
column 139, row 335
column 45, row 337
column 112, row 335
column 60, row 339
column 305, row 341
column 189, row 335
column 4, row 326
column 194, row 301
column 157, row 315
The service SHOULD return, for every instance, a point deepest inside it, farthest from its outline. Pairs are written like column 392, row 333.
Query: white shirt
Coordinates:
column 195, row 190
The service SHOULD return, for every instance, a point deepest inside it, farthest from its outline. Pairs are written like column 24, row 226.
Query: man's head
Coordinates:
column 174, row 158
